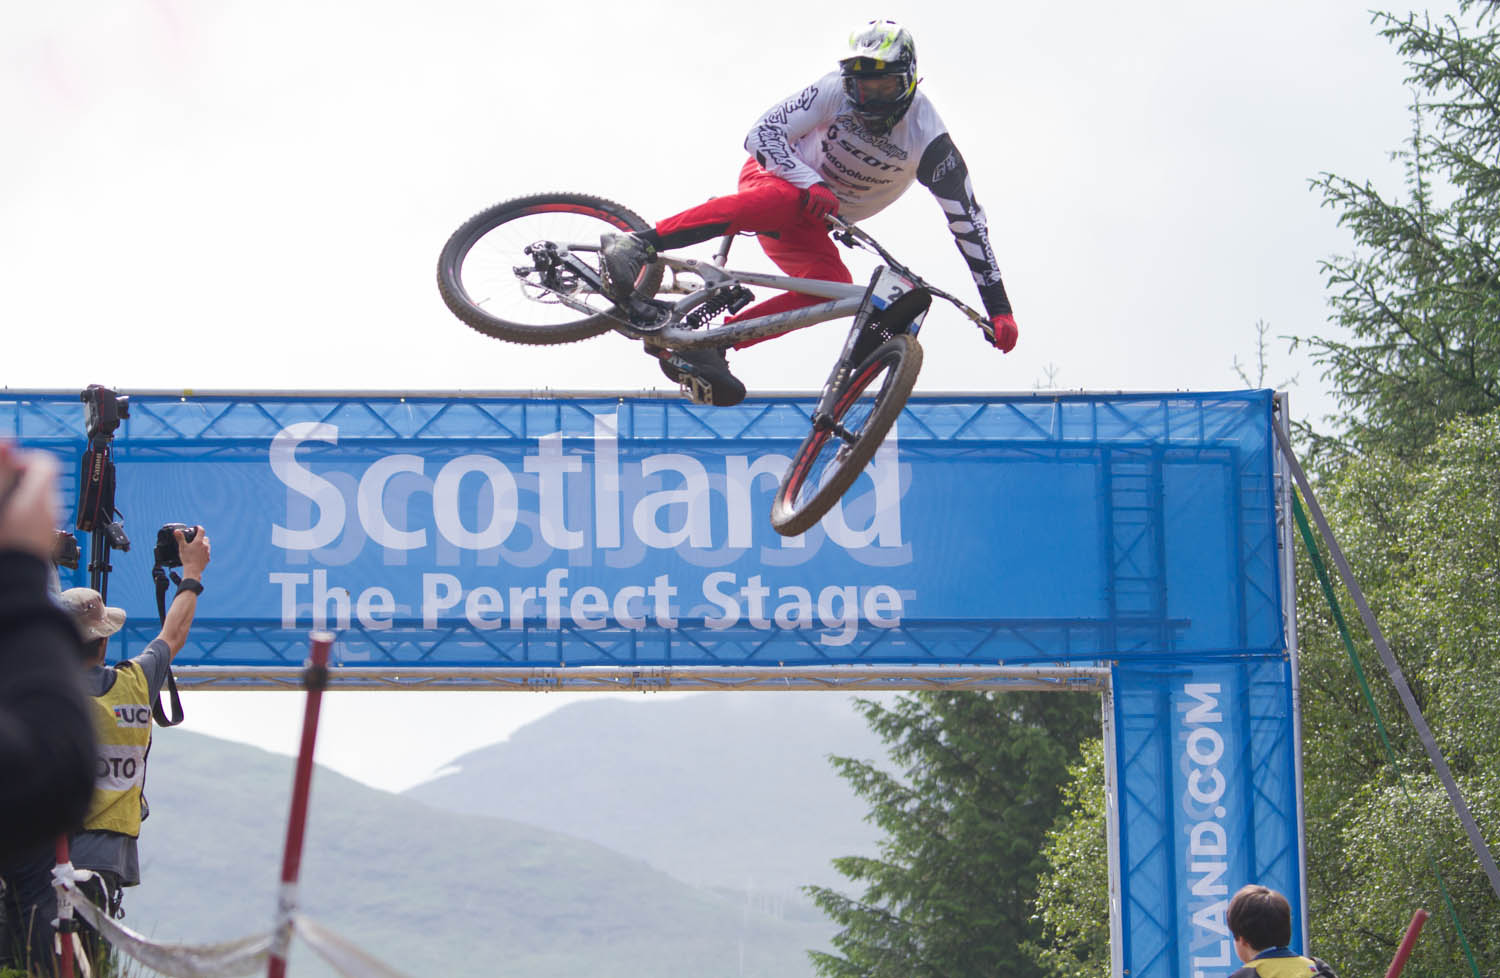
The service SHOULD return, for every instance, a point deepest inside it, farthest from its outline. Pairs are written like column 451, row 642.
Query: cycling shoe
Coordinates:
column 622, row 258
column 703, row 376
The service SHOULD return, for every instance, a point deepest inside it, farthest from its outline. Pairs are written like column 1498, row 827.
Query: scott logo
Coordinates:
column 868, row 159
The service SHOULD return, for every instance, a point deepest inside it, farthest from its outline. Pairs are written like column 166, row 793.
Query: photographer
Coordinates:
column 122, row 698
column 46, row 736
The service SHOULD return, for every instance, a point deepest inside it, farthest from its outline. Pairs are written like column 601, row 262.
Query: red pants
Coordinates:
column 767, row 204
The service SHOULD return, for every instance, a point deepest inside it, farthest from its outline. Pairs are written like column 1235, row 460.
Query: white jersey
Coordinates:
column 814, row 137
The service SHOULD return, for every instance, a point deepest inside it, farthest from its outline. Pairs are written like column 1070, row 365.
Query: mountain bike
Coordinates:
column 527, row 271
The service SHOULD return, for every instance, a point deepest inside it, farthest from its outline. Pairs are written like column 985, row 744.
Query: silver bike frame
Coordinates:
column 846, row 298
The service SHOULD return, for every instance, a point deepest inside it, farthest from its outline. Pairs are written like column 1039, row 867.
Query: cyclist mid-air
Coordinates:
column 847, row 145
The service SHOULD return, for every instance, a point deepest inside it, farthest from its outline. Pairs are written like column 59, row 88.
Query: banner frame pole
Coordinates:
column 315, row 680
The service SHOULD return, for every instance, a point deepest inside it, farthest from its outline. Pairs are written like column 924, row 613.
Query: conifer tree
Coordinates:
column 951, row 894
column 1419, row 297
column 1409, row 479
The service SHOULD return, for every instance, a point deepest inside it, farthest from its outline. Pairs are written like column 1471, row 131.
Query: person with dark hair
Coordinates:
column 1260, row 920
column 121, row 697
column 46, row 735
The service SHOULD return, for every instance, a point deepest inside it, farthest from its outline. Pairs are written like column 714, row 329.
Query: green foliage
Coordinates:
column 1419, row 299
column 1412, row 489
column 1073, row 894
column 1423, row 539
column 1416, row 507
column 964, row 822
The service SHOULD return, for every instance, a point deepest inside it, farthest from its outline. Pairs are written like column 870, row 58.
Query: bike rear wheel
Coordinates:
column 489, row 282
column 827, row 464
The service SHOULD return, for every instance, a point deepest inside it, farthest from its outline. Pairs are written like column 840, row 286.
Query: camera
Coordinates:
column 166, row 543
column 103, row 410
column 65, row 551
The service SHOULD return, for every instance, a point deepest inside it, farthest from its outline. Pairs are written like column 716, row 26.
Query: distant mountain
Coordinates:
column 428, row 891
column 723, row 790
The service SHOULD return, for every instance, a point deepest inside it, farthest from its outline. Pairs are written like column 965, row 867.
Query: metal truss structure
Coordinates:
column 1126, row 642
column 1133, row 441
column 656, row 679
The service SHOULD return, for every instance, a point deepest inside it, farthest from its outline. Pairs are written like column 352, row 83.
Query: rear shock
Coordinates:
column 731, row 300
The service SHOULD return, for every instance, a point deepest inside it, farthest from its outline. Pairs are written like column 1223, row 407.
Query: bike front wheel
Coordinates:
column 831, row 459
column 489, row 281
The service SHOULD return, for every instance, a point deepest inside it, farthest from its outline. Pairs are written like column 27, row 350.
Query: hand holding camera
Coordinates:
column 180, row 545
column 177, row 545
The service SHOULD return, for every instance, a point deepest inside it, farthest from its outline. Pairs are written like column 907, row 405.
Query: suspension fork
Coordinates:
column 887, row 288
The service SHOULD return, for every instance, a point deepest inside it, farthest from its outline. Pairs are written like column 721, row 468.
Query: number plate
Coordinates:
column 889, row 287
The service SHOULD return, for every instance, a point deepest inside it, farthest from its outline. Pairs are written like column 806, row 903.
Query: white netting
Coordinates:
column 228, row 959
column 246, row 956
column 344, row 956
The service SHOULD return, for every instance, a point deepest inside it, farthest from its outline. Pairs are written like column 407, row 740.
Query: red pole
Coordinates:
column 65, row 922
column 1407, row 943
column 315, row 680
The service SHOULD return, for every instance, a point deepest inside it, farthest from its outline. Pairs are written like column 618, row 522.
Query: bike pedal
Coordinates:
column 697, row 390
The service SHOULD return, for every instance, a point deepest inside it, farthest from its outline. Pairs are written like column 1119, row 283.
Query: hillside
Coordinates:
column 428, row 891
column 724, row 790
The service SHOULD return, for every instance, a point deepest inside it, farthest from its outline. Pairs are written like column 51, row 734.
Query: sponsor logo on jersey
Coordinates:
column 779, row 115
column 771, row 149
column 851, row 125
column 132, row 715
column 866, row 157
column 947, row 166
column 768, row 141
column 864, row 179
column 855, row 162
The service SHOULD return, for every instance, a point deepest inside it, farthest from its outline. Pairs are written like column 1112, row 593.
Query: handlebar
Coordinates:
column 856, row 237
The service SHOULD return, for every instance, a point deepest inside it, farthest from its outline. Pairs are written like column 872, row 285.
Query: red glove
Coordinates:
column 819, row 202
column 1003, row 331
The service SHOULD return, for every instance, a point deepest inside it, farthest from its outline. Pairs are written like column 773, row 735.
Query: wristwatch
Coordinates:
column 190, row 584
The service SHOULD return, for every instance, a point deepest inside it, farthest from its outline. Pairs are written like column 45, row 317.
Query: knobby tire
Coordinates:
column 469, row 308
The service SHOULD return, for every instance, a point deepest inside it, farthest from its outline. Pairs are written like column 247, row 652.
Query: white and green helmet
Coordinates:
column 880, row 47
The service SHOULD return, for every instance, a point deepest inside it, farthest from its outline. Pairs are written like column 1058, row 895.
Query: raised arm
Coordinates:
column 942, row 170
column 195, row 556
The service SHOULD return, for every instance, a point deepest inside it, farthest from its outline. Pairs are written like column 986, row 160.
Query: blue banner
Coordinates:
column 1206, row 775
column 494, row 531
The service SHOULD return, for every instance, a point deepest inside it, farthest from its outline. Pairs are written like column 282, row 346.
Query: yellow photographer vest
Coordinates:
column 122, row 722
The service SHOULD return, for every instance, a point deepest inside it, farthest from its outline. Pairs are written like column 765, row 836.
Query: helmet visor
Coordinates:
column 878, row 89
column 874, row 84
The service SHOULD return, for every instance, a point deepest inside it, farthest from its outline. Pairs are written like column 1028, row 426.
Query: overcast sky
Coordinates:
column 235, row 195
